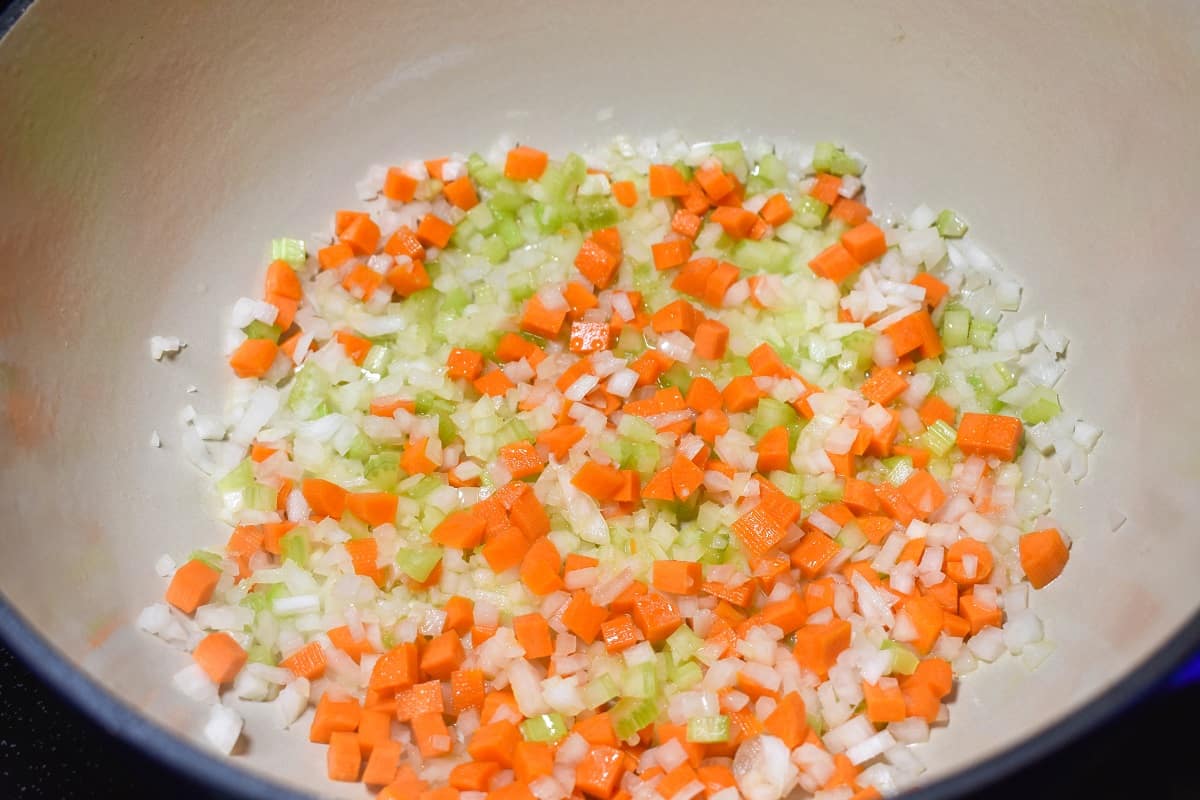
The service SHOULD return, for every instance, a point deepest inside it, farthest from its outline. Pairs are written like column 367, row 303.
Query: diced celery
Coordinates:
column 639, row 681
column 310, row 386
column 599, row 691
column 683, row 643
column 678, row 375
column 956, row 326
column 950, row 225
column 643, row 456
column 636, row 429
column 495, row 249
column 771, row 413
column 772, row 170
column 512, row 431
column 357, row 528
column 289, row 250
column 687, row 675
column 259, row 497
column 860, row 345
column 418, row 562
column 789, row 483
column 631, row 714
column 809, row 211
column 294, row 546
column 238, row 478
column 716, row 546
column 816, row 722
column 424, row 487
column 255, row 601
column 939, row 438
column 260, row 653
column 981, row 333
column 361, row 448
column 827, row 157
column 207, row 557
column 904, row 660
column 706, row 730
column 261, row 330
column 1043, row 406
column 596, row 212
column 505, row 203
column 382, row 470
column 757, row 184
column 899, row 468
column 483, row 173
column 455, row 300
column 377, row 360
column 544, row 728
column 767, row 255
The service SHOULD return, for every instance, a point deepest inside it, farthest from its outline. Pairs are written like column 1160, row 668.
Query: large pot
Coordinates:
column 149, row 150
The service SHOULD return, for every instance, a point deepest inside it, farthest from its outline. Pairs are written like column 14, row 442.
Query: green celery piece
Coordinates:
column 255, row 601
column 418, row 563
column 899, row 468
column 259, row 497
column 481, row 218
column 261, row 330
column 599, row 691
column 547, row 728
column 354, row 526
column 981, row 333
column 596, row 212
column 289, row 250
column 809, row 211
column 773, row 170
column 294, row 546
column 904, row 660
column 828, row 157
column 950, row 225
column 483, row 173
column 495, row 249
column 956, row 326
column 260, row 653
column 1043, row 406
column 733, row 158
column 377, row 360
column 939, row 438
column 678, row 375
column 382, row 470
column 639, row 681
column 687, row 675
column 310, row 386
column 505, row 203
column 510, row 233
column 361, row 448
column 631, row 714
column 706, row 730
column 455, row 300
column 771, row 413
column 767, row 255
column 683, row 643
column 238, row 478
column 424, row 487
column 206, row 557
column 636, row 429
column 757, row 184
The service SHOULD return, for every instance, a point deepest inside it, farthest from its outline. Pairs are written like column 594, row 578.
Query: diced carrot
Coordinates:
column 677, row 577
column 496, row 742
column 442, row 655
column 532, row 760
column 883, row 386
column 343, row 640
column 533, row 634
column 461, row 529
column 915, row 332
column 625, row 193
column 935, row 290
column 945, row 593
column 589, row 337
column 835, row 263
column 414, row 459
column 282, row 280
column 710, row 424
column 521, row 459
column 665, row 181
column 464, row 364
column 737, row 222
column 408, row 279
column 894, row 504
column 335, row 716
column 741, row 394
column 399, row 186
column 599, row 773
column 253, row 358
column 655, row 616
column 1043, row 556
column 686, row 477
column 459, row 614
column 582, row 617
column 540, row 320
column 433, row 231
column 686, row 224
column 978, row 615
column 397, row 669
column 703, row 395
column 935, row 408
column 860, row 497
column 431, row 734
column 541, row 571
column 659, row 487
column 773, row 452
column 220, row 657
column 759, row 530
column 619, row 633
column 362, row 235
column 601, row 481
column 989, row 435
column 579, row 298
column 373, row 508
column 719, row 282
column 343, row 219
column 473, row 776
column 362, row 281
column 383, row 763
column 849, row 211
column 788, row 614
column 461, row 193
column 814, row 551
column 716, row 184
column 817, row 646
column 923, row 493
column 926, row 617
column 466, row 690
column 597, row 729
column 789, row 721
column 884, row 701
column 404, row 242
column 597, row 263
column 865, row 242
column 693, row 276
column 716, row 777
column 493, row 384
column 525, row 163
column 826, row 187
column 192, row 586
column 420, row 698
column 672, row 253
column 677, row 316
column 356, row 347
column 973, row 548
column 777, row 210
column 343, row 759
column 364, row 555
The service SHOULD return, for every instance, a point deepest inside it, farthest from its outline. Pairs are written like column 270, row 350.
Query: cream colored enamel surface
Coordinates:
column 149, row 152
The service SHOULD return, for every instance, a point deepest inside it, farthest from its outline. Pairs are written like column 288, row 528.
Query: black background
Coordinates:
column 47, row 749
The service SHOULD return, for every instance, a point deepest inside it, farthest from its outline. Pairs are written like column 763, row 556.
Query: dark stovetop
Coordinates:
column 47, row 749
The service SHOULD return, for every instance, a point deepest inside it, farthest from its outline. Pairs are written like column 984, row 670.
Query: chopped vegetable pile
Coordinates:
column 673, row 472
